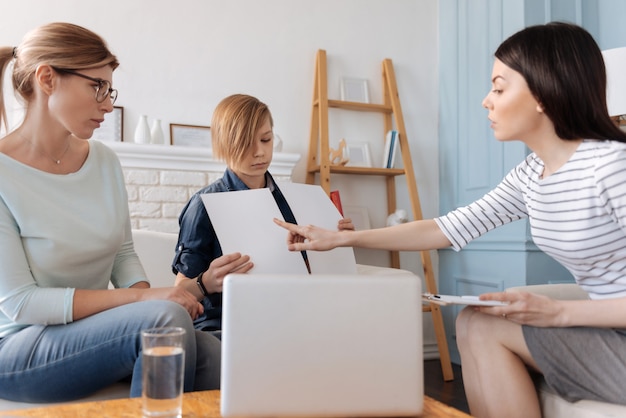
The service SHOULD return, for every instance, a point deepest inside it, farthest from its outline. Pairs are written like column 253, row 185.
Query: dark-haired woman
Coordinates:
column 548, row 91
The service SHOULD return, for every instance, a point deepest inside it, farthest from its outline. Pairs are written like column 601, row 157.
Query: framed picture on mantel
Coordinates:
column 190, row 135
column 112, row 129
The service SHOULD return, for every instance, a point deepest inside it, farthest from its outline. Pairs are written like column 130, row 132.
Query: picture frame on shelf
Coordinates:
column 190, row 135
column 112, row 129
column 354, row 90
column 358, row 154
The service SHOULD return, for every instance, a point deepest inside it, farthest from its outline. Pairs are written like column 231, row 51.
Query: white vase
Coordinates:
column 142, row 132
column 156, row 133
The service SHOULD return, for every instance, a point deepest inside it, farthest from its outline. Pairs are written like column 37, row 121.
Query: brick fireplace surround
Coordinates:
column 160, row 179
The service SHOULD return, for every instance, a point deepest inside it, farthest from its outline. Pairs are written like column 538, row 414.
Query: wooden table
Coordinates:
column 195, row 404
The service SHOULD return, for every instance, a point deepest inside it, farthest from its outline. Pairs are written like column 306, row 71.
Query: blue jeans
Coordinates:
column 64, row 362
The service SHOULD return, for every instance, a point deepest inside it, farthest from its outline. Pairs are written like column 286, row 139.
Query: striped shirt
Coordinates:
column 577, row 215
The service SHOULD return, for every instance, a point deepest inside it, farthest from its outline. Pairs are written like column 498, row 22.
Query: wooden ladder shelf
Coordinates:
column 319, row 163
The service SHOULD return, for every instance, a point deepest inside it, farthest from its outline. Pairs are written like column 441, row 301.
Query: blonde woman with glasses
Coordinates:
column 66, row 234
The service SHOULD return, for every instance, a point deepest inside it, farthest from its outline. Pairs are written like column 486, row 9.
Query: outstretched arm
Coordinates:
column 412, row 236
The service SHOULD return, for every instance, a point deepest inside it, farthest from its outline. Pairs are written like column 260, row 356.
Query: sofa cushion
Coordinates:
column 553, row 406
column 156, row 251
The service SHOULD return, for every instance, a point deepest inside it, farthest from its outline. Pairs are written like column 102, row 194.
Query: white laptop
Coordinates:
column 322, row 345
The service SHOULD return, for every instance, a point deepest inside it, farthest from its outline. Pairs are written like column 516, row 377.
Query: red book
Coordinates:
column 334, row 196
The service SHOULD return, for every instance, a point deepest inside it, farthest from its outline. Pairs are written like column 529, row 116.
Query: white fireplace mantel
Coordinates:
column 168, row 157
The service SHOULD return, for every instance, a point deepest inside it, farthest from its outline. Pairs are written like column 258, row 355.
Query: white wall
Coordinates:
column 179, row 58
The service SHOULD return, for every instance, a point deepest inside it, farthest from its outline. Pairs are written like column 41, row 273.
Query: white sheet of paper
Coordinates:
column 310, row 205
column 243, row 222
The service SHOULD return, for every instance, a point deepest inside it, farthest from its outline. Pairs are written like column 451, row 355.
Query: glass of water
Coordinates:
column 163, row 368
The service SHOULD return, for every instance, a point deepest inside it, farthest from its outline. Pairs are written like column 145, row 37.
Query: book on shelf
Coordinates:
column 391, row 146
column 336, row 198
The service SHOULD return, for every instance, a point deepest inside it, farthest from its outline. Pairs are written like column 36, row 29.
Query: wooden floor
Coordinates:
column 451, row 393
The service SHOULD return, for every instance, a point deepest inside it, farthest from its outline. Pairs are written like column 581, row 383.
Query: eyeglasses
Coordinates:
column 103, row 89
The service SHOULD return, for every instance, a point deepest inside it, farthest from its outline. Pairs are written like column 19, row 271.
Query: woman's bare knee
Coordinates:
column 466, row 322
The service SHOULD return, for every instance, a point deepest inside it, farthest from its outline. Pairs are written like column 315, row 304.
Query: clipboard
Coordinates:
column 459, row 300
